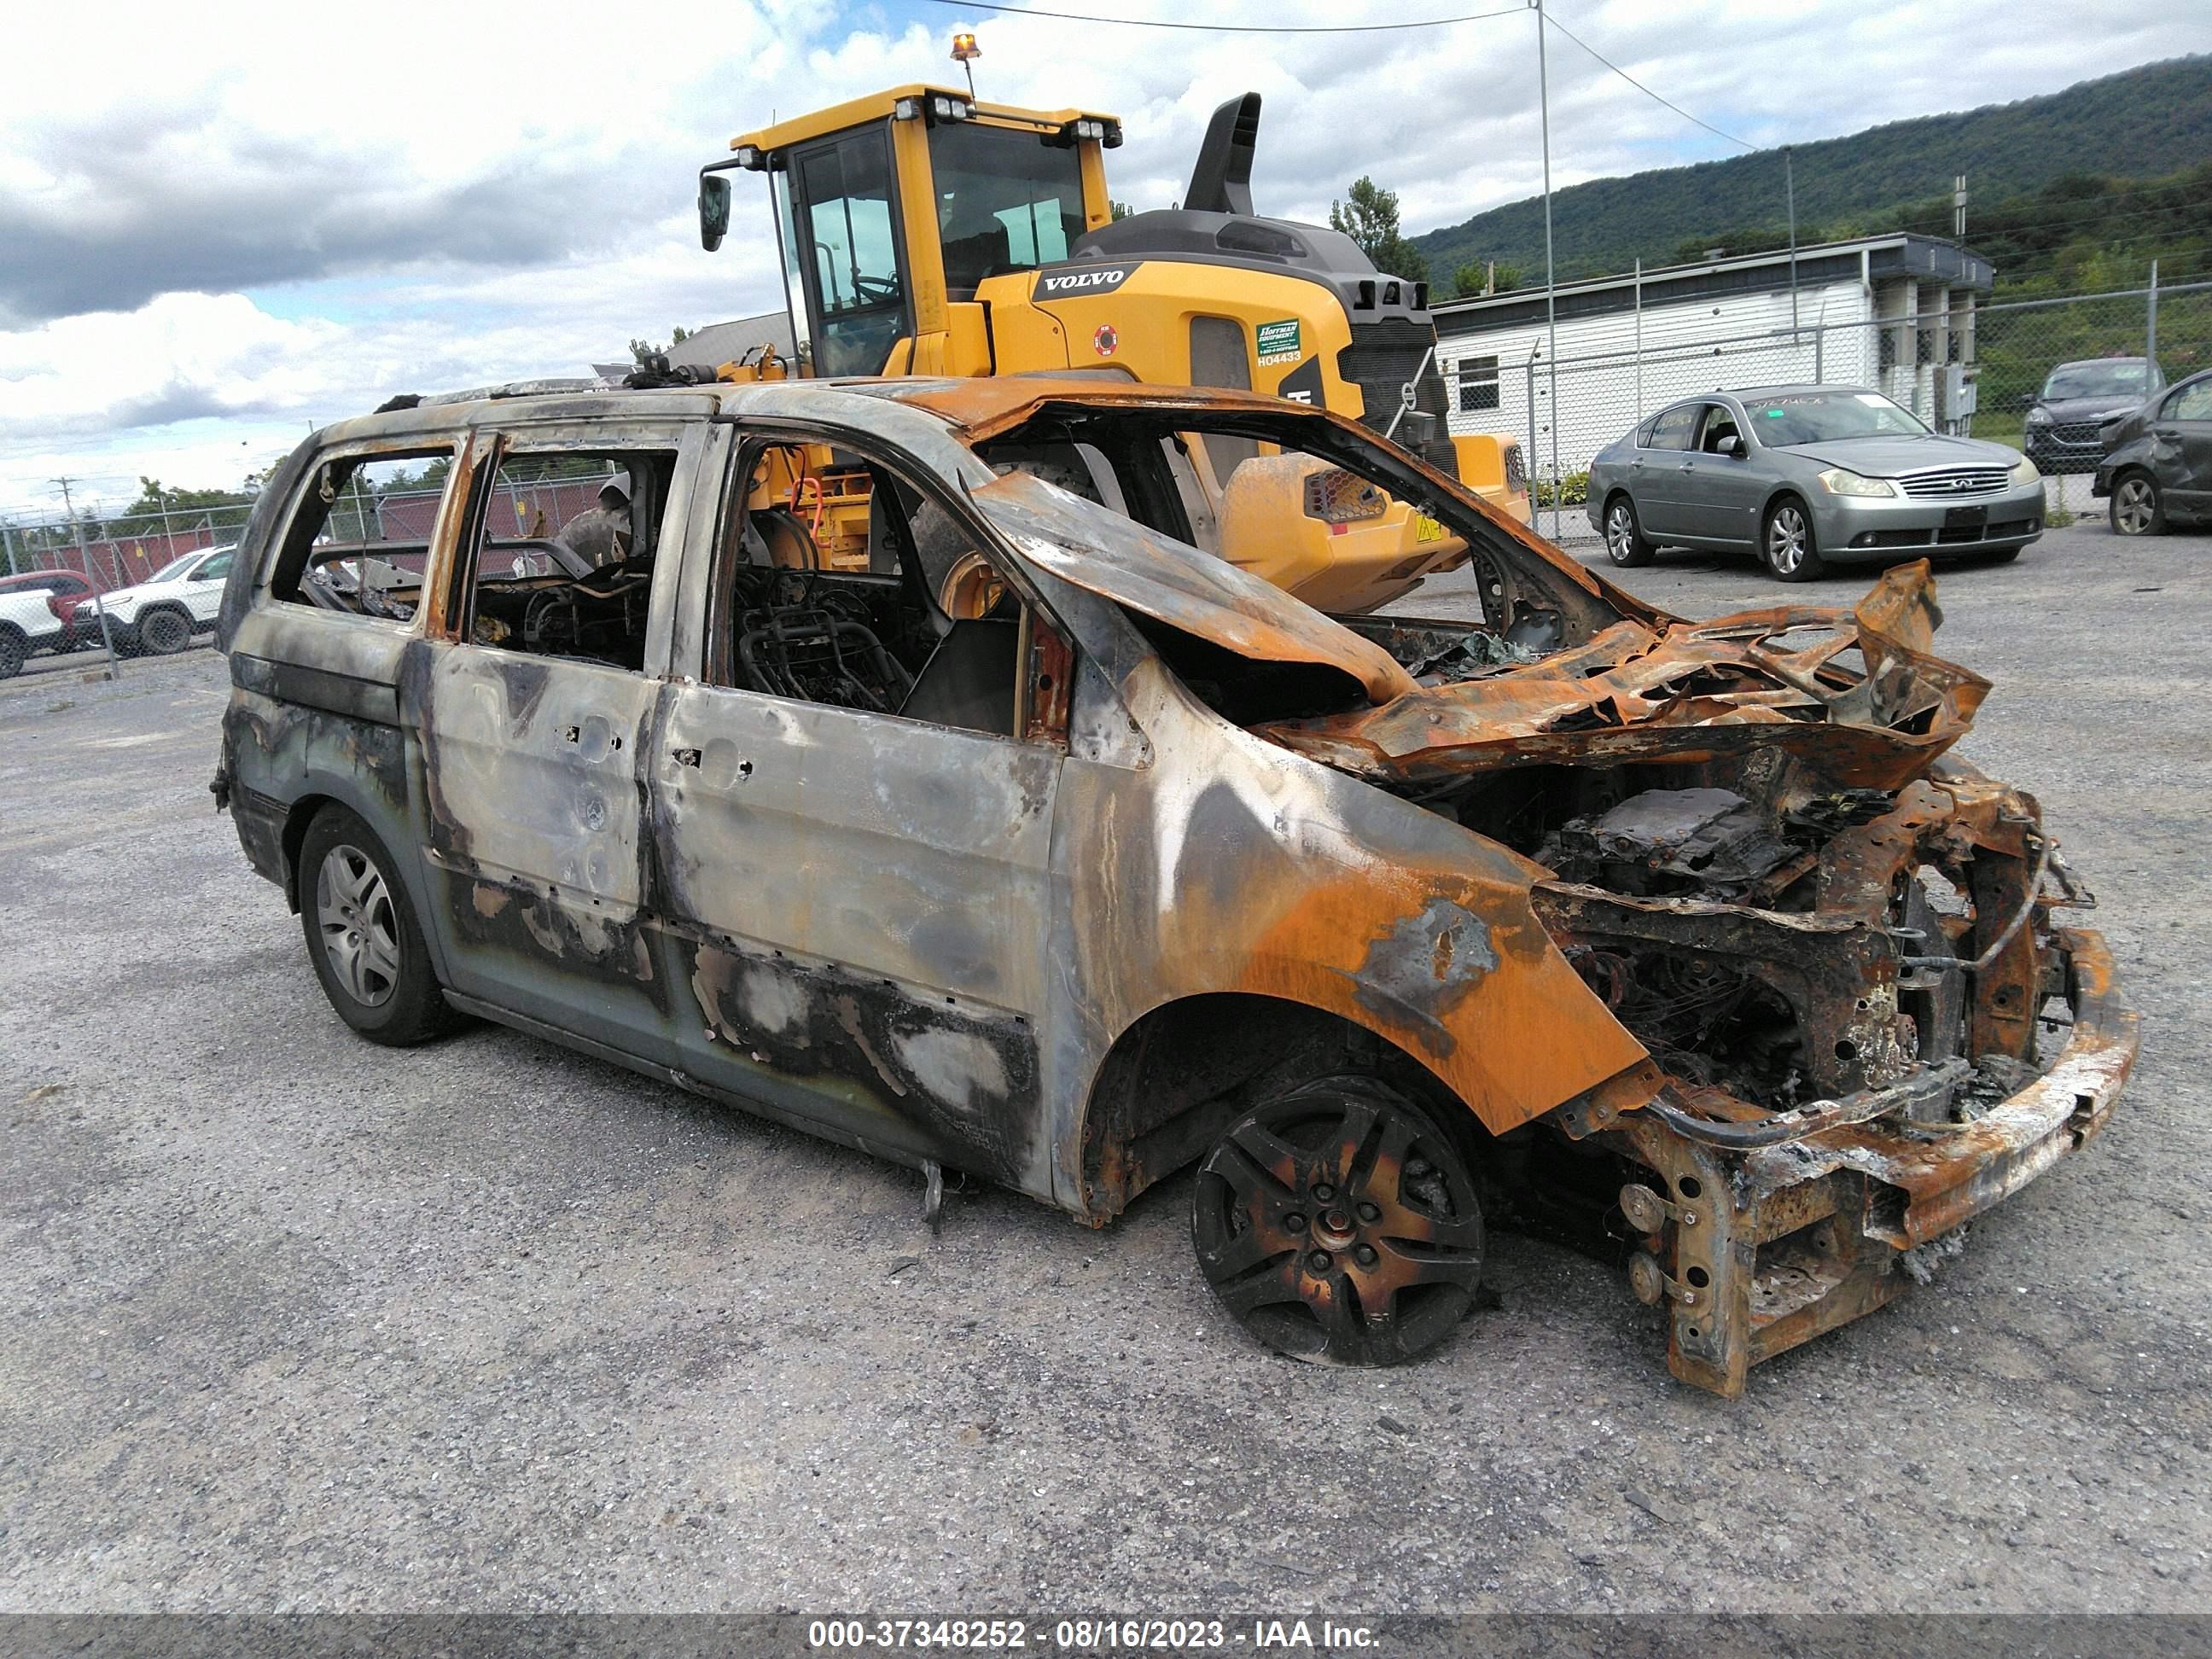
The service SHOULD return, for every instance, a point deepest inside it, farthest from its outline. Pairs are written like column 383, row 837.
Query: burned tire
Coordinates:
column 1624, row 534
column 164, row 632
column 362, row 936
column 1339, row 1223
column 1786, row 546
column 14, row 648
column 2137, row 507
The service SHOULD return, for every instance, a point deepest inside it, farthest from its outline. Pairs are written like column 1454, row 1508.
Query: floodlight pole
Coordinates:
column 1550, row 279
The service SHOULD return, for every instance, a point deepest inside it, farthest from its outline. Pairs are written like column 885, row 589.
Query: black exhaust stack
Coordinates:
column 1222, row 181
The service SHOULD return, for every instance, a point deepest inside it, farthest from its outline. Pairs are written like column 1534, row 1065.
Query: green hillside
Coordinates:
column 2141, row 124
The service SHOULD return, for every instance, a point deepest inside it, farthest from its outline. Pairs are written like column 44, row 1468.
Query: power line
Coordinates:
column 1640, row 86
column 1237, row 29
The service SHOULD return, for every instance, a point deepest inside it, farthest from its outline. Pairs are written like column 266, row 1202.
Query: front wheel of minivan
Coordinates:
column 362, row 936
column 1339, row 1223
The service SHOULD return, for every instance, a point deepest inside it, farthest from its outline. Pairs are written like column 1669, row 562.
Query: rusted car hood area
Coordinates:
column 1857, row 696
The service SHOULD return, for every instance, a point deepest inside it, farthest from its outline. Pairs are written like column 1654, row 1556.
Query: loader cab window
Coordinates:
column 1005, row 201
column 843, row 225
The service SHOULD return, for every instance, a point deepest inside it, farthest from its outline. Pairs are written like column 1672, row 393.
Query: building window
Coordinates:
column 1478, row 384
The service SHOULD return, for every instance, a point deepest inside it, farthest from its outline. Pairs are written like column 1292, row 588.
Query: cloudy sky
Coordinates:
column 221, row 225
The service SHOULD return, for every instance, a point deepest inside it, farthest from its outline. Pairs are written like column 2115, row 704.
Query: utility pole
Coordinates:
column 1551, row 277
column 1789, row 189
column 1959, row 207
column 1639, row 336
column 84, row 563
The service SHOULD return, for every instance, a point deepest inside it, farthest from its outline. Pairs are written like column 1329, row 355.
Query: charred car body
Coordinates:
column 1690, row 941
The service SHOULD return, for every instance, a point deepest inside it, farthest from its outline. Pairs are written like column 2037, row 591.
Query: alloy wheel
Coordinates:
column 2134, row 506
column 1620, row 534
column 1337, row 1223
column 1787, row 540
column 360, row 930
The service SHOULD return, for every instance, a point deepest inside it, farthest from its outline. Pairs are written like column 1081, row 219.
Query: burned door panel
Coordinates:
column 534, row 827
column 856, row 906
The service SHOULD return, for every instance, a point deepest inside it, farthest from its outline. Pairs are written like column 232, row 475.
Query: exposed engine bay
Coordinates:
column 1774, row 933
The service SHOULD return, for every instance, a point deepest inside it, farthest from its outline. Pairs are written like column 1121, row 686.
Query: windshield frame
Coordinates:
column 1521, row 570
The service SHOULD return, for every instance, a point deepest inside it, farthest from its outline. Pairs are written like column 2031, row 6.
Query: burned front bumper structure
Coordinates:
column 1934, row 1091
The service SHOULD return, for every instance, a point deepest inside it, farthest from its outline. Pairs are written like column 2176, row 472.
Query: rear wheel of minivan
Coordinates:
column 1339, row 1223
column 362, row 936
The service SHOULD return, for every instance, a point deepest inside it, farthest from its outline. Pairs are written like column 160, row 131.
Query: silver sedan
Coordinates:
column 1806, row 476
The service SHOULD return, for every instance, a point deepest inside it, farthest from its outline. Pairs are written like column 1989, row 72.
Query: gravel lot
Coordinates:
column 296, row 1323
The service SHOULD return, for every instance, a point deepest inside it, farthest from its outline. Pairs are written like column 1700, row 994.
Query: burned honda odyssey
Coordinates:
column 1023, row 826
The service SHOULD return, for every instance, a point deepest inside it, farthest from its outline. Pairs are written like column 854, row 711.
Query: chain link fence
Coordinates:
column 1974, row 370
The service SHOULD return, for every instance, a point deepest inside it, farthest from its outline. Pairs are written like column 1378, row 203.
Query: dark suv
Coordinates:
column 2061, row 432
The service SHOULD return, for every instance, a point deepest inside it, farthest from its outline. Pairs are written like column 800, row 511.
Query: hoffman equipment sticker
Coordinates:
column 1279, row 342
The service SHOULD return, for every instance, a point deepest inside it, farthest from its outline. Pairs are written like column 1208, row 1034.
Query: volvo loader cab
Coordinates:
column 923, row 232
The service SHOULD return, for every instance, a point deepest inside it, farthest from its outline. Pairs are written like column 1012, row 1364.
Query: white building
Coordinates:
column 1894, row 312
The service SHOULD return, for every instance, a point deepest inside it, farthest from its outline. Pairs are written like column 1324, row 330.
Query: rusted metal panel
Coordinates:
column 1117, row 557
column 1257, row 870
column 1678, row 692
column 1950, row 1174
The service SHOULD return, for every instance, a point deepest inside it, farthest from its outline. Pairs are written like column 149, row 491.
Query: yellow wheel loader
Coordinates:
column 923, row 232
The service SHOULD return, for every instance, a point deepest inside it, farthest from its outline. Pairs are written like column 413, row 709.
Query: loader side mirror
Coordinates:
column 714, row 210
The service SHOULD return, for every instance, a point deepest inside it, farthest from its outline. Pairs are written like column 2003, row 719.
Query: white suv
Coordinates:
column 161, row 614
column 27, row 623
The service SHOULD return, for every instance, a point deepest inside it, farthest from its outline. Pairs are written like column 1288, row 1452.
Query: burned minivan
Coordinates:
column 957, row 770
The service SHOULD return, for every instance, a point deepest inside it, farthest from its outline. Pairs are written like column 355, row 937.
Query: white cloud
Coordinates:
column 258, row 218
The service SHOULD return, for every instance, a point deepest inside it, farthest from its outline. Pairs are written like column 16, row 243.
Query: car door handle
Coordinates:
column 1687, row 466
